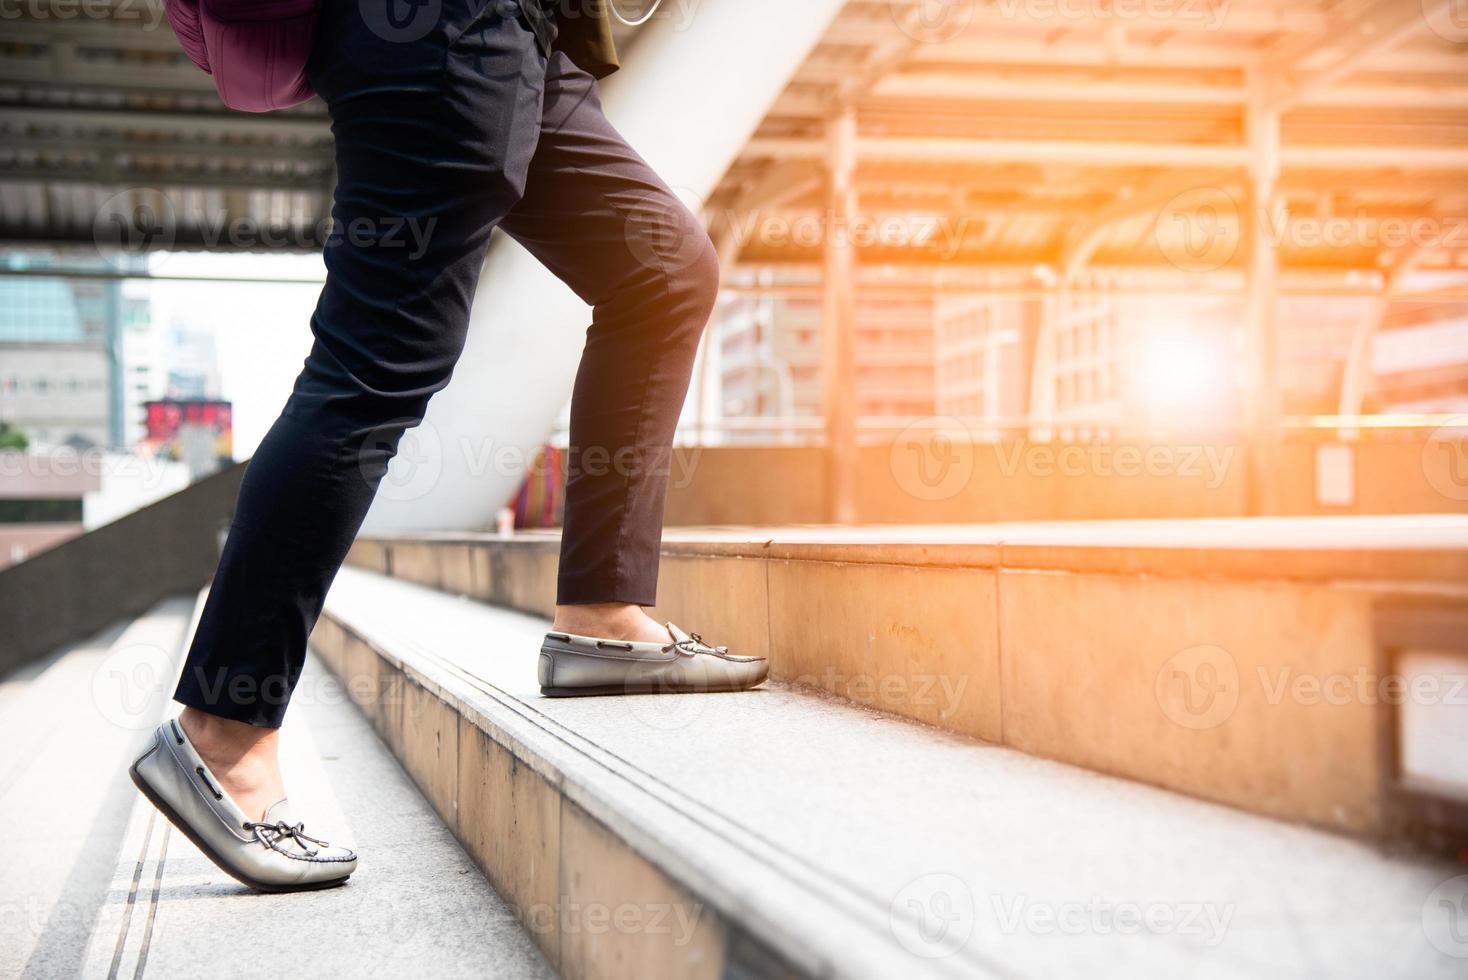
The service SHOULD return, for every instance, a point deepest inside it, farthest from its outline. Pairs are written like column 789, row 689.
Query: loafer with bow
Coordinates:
column 272, row 854
column 579, row 666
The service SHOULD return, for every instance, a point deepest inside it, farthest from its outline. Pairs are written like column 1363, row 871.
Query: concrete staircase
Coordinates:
column 93, row 883
column 843, row 821
column 787, row 832
column 1248, row 662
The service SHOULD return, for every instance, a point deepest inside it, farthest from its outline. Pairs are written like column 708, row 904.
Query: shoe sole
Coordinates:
column 182, row 827
column 604, row 690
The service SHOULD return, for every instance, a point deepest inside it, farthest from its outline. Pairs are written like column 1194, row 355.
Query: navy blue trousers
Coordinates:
column 446, row 129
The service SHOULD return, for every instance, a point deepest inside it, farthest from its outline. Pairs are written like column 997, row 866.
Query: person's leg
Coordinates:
column 597, row 215
column 434, row 135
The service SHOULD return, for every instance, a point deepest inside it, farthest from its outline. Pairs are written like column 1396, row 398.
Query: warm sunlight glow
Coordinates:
column 1178, row 373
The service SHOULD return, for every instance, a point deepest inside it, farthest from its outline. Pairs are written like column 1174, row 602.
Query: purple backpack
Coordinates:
column 255, row 49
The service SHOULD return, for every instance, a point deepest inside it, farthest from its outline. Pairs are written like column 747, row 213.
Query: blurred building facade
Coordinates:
column 770, row 359
column 60, row 351
column 1241, row 221
column 1136, row 354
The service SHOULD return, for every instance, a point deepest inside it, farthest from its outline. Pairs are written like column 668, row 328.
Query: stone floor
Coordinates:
column 95, row 885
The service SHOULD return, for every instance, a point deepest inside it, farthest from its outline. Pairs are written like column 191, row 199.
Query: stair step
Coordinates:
column 417, row 906
column 97, row 884
column 1241, row 661
column 776, row 832
column 64, row 796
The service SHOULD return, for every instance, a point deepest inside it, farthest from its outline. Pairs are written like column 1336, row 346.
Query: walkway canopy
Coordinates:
column 1260, row 147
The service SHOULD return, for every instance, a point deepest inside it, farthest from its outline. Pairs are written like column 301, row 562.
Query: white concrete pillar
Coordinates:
column 838, row 313
column 1266, row 212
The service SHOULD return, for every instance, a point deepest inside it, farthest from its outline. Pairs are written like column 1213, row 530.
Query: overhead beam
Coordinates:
column 964, row 88
column 117, row 275
column 1383, row 27
column 930, row 151
column 142, row 32
column 81, row 79
column 111, row 144
column 224, row 123
column 292, row 238
column 982, row 20
column 926, row 151
column 1017, row 279
column 974, row 88
column 55, row 177
column 1069, row 189
column 1079, row 51
column 1405, row 158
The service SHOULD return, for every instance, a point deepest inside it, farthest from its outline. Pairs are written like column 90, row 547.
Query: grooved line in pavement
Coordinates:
column 132, row 894
column 153, row 903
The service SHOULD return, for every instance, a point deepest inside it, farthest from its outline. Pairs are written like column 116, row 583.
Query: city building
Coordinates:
column 982, row 346
column 145, row 357
column 770, row 360
column 62, row 381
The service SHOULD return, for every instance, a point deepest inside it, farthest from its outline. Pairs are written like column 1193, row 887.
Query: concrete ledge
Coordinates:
column 1231, row 660
column 776, row 834
column 913, row 476
column 1418, row 547
column 116, row 571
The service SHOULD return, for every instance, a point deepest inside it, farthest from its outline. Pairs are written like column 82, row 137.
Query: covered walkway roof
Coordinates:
column 1253, row 147
column 1038, row 123
column 101, row 114
column 1054, row 126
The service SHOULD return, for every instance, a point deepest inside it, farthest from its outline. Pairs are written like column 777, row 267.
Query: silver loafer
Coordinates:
column 272, row 854
column 578, row 666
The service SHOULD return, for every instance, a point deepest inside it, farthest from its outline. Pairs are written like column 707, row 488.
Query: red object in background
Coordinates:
column 540, row 499
column 164, row 419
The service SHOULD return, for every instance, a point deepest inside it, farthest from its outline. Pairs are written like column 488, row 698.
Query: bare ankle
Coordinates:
column 244, row 758
column 609, row 620
column 224, row 739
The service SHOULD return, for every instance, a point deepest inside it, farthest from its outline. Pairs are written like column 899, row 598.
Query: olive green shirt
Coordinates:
column 584, row 33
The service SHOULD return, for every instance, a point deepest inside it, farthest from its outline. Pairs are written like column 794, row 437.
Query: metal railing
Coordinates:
column 808, row 430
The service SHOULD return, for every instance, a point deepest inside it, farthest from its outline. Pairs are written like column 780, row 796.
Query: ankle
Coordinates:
column 224, row 740
column 574, row 618
column 609, row 620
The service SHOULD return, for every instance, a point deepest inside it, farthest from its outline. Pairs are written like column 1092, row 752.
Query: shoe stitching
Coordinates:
column 595, row 650
column 314, row 858
column 591, row 647
column 208, row 785
column 297, row 832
